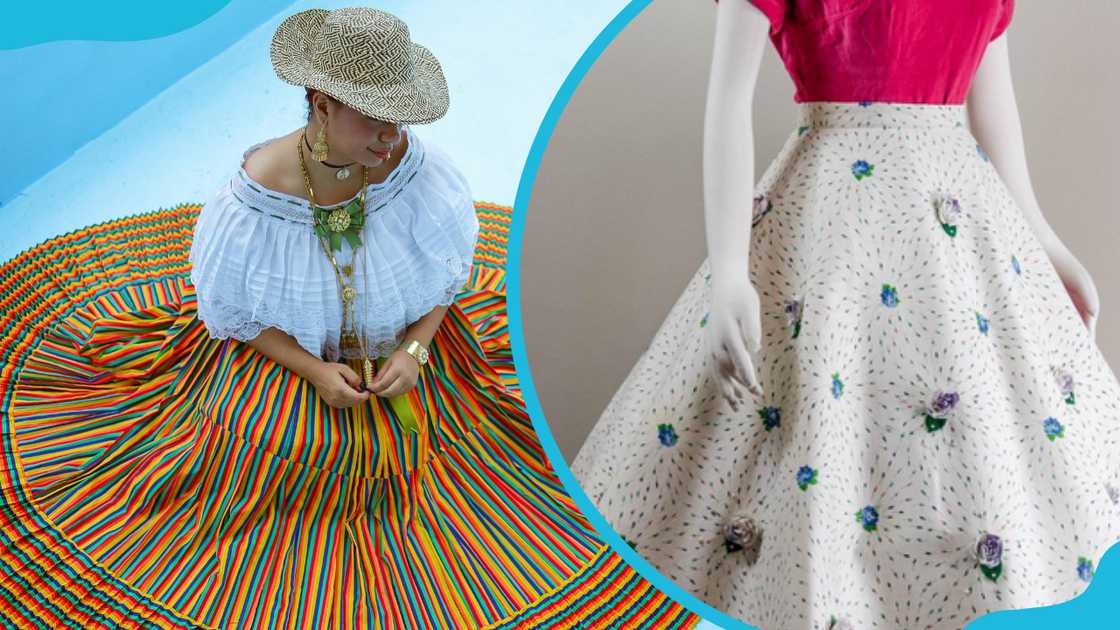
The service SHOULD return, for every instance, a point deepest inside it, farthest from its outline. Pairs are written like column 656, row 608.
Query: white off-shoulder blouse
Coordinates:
column 256, row 263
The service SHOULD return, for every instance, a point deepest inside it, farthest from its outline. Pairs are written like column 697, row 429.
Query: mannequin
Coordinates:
column 734, row 325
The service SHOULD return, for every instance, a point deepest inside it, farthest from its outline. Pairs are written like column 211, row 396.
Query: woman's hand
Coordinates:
column 734, row 328
column 397, row 375
column 1082, row 291
column 338, row 385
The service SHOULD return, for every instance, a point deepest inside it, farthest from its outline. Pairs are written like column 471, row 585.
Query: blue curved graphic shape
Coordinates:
column 1091, row 610
column 1095, row 608
column 30, row 23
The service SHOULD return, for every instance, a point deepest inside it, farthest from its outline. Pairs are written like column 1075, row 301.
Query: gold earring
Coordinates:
column 320, row 148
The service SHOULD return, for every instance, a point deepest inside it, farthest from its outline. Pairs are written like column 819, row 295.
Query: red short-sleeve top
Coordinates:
column 905, row 51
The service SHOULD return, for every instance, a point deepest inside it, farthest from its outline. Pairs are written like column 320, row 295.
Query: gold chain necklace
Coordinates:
column 331, row 226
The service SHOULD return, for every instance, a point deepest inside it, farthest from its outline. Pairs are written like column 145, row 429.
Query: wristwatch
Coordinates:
column 417, row 350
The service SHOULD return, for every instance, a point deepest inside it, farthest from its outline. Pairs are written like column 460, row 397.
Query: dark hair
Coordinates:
column 308, row 94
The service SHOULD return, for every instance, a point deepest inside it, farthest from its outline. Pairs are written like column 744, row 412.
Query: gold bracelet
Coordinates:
column 416, row 349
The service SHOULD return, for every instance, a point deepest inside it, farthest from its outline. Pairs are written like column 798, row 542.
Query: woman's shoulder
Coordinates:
column 266, row 163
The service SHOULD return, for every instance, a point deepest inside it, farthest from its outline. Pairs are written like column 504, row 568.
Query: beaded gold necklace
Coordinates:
column 331, row 226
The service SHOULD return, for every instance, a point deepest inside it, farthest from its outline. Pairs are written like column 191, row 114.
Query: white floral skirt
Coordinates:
column 938, row 437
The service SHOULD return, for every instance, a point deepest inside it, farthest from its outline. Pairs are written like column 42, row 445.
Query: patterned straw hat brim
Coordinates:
column 364, row 58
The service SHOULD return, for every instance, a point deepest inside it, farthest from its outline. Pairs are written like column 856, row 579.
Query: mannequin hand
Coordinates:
column 1082, row 291
column 338, row 385
column 734, row 328
column 397, row 375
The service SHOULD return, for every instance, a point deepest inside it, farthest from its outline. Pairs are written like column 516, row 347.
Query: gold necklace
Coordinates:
column 332, row 225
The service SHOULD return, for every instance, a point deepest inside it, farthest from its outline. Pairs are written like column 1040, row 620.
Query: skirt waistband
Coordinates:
column 880, row 114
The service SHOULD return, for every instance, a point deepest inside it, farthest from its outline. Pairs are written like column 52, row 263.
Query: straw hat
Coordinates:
column 364, row 58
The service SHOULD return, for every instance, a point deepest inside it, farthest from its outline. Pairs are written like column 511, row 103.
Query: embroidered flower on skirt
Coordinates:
column 1084, row 568
column 771, row 416
column 868, row 517
column 1053, row 428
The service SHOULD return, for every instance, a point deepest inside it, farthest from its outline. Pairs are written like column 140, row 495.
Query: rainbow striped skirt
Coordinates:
column 155, row 477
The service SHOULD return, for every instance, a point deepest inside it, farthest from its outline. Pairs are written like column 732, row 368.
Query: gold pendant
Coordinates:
column 338, row 220
column 349, row 341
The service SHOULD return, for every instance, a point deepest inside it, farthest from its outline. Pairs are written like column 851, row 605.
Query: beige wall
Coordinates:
column 615, row 226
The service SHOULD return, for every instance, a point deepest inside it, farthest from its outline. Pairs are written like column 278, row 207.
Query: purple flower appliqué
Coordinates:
column 948, row 212
column 793, row 309
column 666, row 434
column 1113, row 492
column 806, row 476
column 989, row 555
column 1053, row 428
column 771, row 416
column 861, row 169
column 940, row 408
column 889, row 295
column 1065, row 383
column 868, row 517
column 1084, row 568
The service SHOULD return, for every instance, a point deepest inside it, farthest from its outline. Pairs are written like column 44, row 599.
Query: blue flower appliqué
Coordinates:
column 868, row 517
column 1084, row 568
column 771, row 416
column 1015, row 265
column 806, row 476
column 1053, row 428
column 666, row 434
column 837, row 385
column 982, row 323
column 861, row 169
column 889, row 296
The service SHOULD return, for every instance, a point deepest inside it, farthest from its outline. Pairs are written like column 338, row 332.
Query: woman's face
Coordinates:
column 355, row 137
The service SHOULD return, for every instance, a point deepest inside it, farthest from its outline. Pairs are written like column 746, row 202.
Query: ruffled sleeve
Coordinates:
column 1003, row 18
column 247, row 271
column 775, row 10
column 256, row 262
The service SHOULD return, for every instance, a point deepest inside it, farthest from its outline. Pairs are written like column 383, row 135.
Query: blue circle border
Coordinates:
column 517, row 343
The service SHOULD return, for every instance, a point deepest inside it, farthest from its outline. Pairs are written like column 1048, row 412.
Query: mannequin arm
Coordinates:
column 994, row 119
column 728, row 167
column 734, row 328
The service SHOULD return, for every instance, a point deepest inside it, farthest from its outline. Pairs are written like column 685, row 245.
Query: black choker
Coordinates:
column 308, row 145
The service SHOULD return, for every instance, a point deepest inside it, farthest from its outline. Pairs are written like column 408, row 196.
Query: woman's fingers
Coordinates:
column 389, row 388
column 350, row 376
